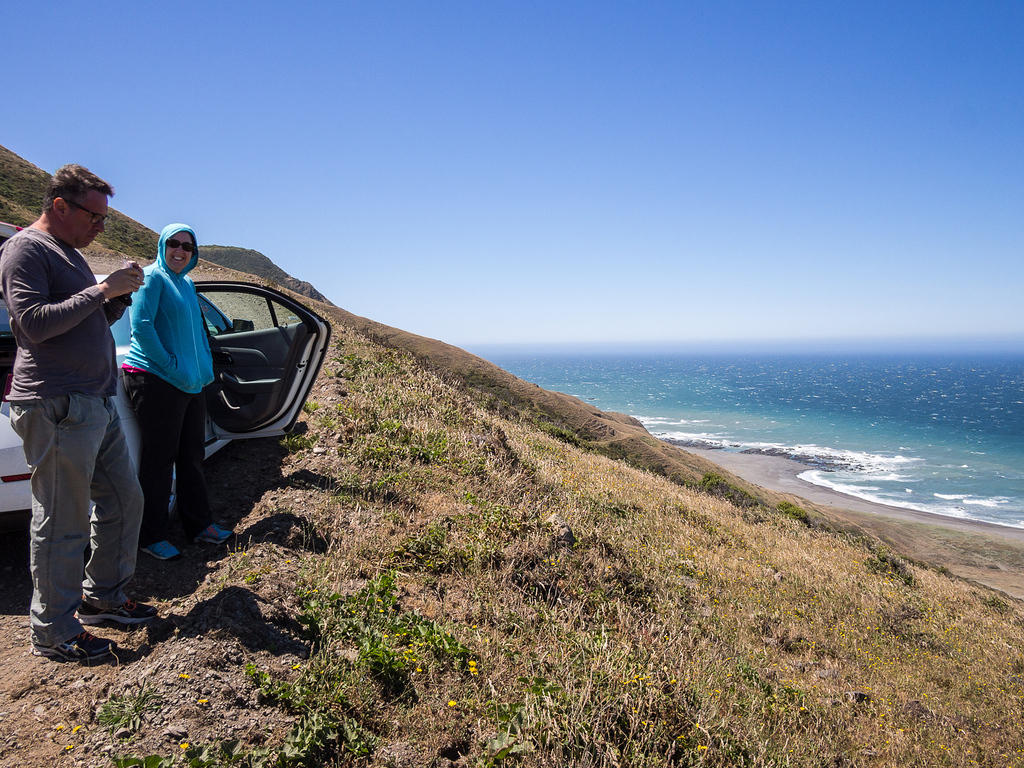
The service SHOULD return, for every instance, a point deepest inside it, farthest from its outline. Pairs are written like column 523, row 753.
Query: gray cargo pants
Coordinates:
column 77, row 452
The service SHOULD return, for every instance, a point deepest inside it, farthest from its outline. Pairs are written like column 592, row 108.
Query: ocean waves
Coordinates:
column 939, row 434
column 877, row 465
column 893, row 479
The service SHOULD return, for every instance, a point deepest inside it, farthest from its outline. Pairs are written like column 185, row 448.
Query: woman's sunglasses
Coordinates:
column 185, row 245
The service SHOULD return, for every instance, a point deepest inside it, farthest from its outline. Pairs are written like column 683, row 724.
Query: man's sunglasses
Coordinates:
column 96, row 217
column 185, row 245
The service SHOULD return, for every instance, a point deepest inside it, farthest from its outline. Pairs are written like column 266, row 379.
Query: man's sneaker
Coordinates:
column 214, row 534
column 162, row 550
column 81, row 647
column 128, row 612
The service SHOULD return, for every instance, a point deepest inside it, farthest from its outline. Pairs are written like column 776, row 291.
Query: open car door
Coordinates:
column 267, row 350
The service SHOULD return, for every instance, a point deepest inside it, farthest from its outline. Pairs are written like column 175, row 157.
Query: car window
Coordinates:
column 216, row 322
column 237, row 312
column 282, row 315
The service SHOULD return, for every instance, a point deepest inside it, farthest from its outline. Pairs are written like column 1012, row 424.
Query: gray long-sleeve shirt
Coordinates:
column 59, row 319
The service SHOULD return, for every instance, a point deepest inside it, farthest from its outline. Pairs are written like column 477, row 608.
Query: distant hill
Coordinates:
column 255, row 263
column 22, row 186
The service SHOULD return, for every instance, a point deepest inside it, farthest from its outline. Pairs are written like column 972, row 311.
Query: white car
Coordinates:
column 267, row 351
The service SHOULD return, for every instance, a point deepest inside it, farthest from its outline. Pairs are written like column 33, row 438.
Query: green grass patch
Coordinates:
column 560, row 433
column 792, row 510
column 129, row 710
column 394, row 443
column 295, row 443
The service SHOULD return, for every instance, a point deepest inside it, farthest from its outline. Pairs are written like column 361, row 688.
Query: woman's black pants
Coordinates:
column 172, row 427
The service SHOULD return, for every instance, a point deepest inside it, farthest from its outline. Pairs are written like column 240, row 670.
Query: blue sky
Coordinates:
column 486, row 172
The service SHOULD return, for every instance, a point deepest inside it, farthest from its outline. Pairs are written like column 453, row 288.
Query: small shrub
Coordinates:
column 352, row 365
column 394, row 443
column 996, row 603
column 560, row 433
column 716, row 485
column 892, row 566
column 792, row 510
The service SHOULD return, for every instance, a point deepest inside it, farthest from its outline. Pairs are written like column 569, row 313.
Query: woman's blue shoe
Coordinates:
column 162, row 550
column 214, row 534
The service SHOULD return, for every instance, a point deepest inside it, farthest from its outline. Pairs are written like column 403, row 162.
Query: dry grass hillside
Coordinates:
column 429, row 578
column 679, row 628
column 987, row 555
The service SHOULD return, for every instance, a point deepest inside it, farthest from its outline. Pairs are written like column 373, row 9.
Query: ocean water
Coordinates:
column 942, row 434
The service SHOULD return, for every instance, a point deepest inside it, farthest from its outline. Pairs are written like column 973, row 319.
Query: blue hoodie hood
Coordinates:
column 168, row 331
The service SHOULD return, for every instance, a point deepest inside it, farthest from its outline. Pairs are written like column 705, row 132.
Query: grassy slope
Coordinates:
column 679, row 629
column 984, row 557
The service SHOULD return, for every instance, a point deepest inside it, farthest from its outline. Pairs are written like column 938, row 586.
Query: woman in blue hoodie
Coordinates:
column 164, row 373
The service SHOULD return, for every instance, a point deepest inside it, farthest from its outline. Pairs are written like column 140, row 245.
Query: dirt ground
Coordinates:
column 221, row 607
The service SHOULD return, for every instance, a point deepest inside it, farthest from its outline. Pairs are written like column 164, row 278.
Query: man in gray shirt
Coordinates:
column 62, row 407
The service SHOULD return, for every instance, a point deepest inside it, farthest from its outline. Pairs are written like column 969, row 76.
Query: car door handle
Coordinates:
column 253, row 385
column 223, row 358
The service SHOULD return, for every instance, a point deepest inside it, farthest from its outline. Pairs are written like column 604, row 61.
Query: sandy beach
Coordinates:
column 985, row 552
column 781, row 474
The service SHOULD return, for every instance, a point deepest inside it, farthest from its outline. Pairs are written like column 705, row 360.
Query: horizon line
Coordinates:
column 990, row 343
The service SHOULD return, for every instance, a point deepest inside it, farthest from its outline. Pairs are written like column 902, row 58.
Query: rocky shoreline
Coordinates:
column 814, row 461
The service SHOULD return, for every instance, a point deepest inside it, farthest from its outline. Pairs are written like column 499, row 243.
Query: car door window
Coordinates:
column 245, row 311
column 215, row 320
column 227, row 313
column 283, row 316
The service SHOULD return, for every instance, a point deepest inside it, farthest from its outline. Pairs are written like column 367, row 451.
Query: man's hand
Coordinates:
column 123, row 281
